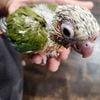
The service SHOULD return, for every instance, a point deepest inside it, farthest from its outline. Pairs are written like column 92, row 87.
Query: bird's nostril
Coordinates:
column 86, row 44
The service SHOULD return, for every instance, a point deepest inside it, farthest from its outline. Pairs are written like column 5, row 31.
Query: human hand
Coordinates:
column 52, row 63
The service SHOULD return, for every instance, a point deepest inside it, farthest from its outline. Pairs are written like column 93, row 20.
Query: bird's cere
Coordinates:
column 45, row 28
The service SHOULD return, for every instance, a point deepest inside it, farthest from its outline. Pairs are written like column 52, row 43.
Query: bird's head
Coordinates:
column 75, row 26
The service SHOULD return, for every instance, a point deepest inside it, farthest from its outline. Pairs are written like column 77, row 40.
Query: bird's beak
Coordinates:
column 85, row 48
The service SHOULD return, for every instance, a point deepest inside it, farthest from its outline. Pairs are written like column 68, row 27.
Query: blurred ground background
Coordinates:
column 77, row 78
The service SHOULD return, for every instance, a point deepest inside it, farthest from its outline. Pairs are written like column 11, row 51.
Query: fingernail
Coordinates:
column 53, row 65
column 36, row 59
column 91, row 4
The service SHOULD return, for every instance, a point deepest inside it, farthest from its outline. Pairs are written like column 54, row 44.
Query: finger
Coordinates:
column 4, row 3
column 63, row 53
column 36, row 1
column 17, row 3
column 44, row 59
column 14, row 5
column 53, row 64
column 37, row 59
column 87, row 4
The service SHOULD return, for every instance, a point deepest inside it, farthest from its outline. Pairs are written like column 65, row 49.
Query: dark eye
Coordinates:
column 67, row 29
column 66, row 32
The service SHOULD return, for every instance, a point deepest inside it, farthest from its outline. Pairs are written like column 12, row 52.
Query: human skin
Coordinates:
column 52, row 63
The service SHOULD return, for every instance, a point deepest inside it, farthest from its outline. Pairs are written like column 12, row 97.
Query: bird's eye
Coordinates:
column 67, row 30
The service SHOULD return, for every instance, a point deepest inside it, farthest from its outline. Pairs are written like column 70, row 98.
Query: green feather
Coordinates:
column 27, row 30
